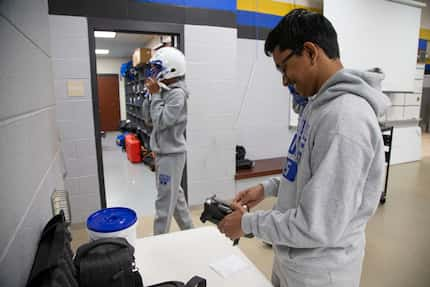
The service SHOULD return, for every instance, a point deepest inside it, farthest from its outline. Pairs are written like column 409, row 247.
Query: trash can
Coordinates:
column 113, row 222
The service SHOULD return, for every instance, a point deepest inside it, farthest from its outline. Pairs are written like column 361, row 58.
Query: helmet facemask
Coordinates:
column 155, row 70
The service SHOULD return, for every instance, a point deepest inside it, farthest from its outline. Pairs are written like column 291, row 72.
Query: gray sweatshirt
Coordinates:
column 332, row 179
column 167, row 112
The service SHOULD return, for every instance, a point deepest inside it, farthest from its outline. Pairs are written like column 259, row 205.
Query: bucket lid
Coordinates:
column 111, row 219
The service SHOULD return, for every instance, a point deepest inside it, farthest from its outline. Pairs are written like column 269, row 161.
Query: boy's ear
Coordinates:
column 311, row 50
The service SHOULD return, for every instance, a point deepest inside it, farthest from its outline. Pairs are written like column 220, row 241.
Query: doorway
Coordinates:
column 122, row 182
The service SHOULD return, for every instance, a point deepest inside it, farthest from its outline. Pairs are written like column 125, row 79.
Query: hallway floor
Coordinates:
column 127, row 184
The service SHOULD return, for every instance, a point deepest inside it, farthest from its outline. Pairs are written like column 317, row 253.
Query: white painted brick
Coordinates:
column 71, row 185
column 198, row 191
column 224, row 138
column 58, row 171
column 211, row 123
column 81, row 167
column 89, row 185
column 83, row 205
column 74, row 130
column 213, row 98
column 64, row 128
column 60, row 91
column 211, row 163
column 69, row 149
column 71, row 68
column 217, row 36
column 213, row 104
column 207, row 53
column 70, row 48
column 271, row 142
column 248, row 56
column 198, row 104
column 73, row 110
column 85, row 148
column 204, row 72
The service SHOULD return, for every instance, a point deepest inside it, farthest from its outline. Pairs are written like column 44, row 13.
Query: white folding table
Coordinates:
column 181, row 255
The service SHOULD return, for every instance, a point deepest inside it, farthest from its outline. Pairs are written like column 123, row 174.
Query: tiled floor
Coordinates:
column 127, row 184
column 398, row 236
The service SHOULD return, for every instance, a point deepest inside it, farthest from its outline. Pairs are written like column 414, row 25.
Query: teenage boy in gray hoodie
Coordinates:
column 166, row 110
column 333, row 176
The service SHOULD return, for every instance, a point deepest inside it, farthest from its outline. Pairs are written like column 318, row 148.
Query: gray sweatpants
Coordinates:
column 349, row 276
column 170, row 196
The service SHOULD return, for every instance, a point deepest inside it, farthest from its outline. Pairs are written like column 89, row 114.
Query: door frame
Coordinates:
column 122, row 26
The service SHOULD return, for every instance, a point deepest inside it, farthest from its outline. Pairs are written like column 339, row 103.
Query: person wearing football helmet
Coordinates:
column 165, row 108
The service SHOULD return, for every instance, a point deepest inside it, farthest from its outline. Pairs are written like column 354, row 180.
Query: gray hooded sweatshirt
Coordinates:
column 167, row 111
column 332, row 179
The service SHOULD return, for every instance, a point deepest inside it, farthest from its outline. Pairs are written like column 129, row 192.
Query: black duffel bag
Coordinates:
column 109, row 262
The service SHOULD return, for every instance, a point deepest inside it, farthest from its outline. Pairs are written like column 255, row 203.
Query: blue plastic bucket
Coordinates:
column 113, row 222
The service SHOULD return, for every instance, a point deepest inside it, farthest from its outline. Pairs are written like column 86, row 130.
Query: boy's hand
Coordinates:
column 152, row 86
column 231, row 224
column 250, row 197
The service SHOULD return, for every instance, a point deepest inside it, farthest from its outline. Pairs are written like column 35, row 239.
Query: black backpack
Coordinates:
column 53, row 263
column 107, row 262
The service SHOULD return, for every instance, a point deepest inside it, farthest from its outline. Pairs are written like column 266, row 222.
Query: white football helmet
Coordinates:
column 170, row 63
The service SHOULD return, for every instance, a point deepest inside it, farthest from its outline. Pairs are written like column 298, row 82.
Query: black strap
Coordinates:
column 196, row 281
column 168, row 284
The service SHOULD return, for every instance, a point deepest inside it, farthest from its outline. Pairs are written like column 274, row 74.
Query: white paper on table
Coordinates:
column 229, row 265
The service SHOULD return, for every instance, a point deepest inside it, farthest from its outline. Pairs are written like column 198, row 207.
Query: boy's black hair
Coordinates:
column 300, row 26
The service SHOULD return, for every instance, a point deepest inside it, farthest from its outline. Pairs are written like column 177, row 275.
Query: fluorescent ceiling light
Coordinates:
column 102, row 51
column 104, row 34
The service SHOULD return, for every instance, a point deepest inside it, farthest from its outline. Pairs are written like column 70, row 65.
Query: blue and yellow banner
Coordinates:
column 425, row 34
column 271, row 7
column 255, row 13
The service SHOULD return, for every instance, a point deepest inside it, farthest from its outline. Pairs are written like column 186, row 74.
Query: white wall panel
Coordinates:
column 355, row 20
column 75, row 114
